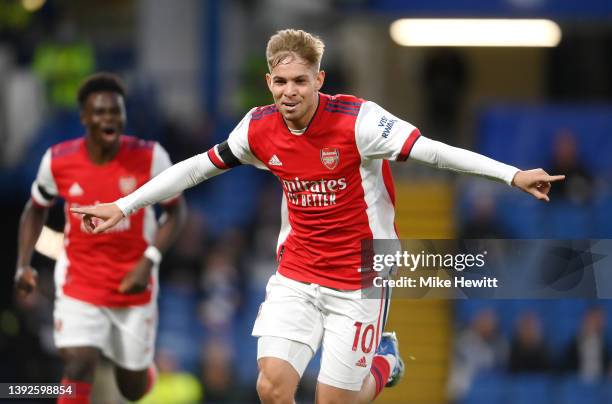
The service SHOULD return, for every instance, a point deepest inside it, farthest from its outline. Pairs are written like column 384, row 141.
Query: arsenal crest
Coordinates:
column 330, row 157
column 127, row 184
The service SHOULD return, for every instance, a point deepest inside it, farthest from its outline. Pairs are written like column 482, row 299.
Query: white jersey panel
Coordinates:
column 285, row 224
column 379, row 134
column 238, row 142
column 380, row 209
column 160, row 161
column 45, row 180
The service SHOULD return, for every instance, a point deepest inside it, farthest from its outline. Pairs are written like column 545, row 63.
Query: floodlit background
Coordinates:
column 194, row 68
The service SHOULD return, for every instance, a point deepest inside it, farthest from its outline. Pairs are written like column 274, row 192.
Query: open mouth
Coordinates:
column 109, row 131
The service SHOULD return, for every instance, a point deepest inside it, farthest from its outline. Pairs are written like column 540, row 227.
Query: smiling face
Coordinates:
column 295, row 84
column 103, row 115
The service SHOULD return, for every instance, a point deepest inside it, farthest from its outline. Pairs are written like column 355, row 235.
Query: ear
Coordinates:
column 319, row 79
column 269, row 81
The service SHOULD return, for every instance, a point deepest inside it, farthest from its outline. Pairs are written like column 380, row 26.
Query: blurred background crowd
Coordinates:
column 194, row 68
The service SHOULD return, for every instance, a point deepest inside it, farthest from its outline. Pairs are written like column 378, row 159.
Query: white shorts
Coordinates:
column 349, row 327
column 125, row 335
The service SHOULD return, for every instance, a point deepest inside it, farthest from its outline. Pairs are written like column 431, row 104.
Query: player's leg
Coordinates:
column 79, row 368
column 79, row 334
column 353, row 327
column 289, row 327
column 386, row 371
column 134, row 384
column 131, row 348
column 277, row 381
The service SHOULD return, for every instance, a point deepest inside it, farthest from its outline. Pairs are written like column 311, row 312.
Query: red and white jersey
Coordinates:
column 94, row 264
column 338, row 189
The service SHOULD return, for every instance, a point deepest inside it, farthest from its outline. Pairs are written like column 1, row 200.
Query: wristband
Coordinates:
column 153, row 254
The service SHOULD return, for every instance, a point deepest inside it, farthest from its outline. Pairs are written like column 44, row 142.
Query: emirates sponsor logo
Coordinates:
column 330, row 157
column 313, row 193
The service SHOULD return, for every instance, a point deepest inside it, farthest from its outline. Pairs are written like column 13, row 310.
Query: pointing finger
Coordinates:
column 85, row 210
column 553, row 178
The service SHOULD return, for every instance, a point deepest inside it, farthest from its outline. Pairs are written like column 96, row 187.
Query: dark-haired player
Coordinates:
column 331, row 155
column 106, row 285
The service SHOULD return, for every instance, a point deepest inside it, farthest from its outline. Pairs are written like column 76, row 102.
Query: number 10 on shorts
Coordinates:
column 367, row 337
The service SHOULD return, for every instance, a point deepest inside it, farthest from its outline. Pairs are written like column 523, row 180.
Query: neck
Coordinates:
column 98, row 154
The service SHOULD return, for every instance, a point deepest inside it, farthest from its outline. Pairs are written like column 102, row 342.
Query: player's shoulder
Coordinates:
column 347, row 99
column 263, row 112
column 66, row 148
column 345, row 104
column 132, row 143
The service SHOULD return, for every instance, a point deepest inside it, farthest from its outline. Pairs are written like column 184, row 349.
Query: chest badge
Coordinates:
column 330, row 157
column 127, row 184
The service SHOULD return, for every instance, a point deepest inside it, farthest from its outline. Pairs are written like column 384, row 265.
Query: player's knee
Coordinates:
column 272, row 390
column 132, row 393
column 133, row 385
column 79, row 366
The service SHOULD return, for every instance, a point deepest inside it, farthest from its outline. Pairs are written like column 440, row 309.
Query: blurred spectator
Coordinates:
column 528, row 352
column 218, row 377
column 588, row 354
column 182, row 263
column 219, row 282
column 446, row 78
column 578, row 185
column 62, row 62
column 483, row 222
column 478, row 348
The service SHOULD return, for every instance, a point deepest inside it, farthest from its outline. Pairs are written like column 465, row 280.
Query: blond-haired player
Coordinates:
column 331, row 155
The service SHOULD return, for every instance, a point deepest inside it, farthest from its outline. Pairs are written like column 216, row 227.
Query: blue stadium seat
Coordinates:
column 572, row 390
column 487, row 388
column 603, row 217
column 529, row 389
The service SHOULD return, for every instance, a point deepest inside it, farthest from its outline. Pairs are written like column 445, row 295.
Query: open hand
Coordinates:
column 536, row 182
column 109, row 213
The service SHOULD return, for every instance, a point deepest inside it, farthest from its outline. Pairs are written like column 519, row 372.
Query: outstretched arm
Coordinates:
column 535, row 182
column 170, row 182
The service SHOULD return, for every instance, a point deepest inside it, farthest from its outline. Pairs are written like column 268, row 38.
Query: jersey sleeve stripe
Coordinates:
column 216, row 159
column 41, row 197
column 227, row 156
column 407, row 147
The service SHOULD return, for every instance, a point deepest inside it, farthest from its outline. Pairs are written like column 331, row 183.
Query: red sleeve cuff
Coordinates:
column 216, row 160
column 407, row 147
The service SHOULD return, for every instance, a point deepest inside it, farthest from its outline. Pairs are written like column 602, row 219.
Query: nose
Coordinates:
column 290, row 89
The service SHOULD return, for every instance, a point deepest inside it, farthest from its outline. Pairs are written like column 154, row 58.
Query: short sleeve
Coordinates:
column 381, row 135
column 160, row 162
column 44, row 189
column 238, row 142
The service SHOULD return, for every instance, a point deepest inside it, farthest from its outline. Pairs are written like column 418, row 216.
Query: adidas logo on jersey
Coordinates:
column 275, row 161
column 75, row 190
column 362, row 362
